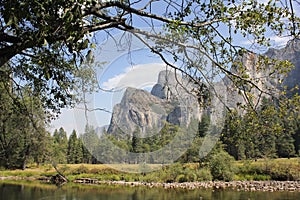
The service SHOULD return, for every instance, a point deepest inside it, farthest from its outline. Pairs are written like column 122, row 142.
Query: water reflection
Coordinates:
column 34, row 191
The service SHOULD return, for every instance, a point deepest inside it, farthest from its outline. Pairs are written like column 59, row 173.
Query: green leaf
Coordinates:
column 10, row 21
column 93, row 46
column 45, row 42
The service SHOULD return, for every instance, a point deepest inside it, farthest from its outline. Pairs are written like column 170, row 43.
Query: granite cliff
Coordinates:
column 170, row 99
column 290, row 52
column 266, row 78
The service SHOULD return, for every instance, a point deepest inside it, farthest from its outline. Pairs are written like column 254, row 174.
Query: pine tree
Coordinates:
column 78, row 152
column 72, row 145
column 136, row 142
column 60, row 145
column 296, row 137
column 90, row 143
column 203, row 125
column 285, row 146
column 233, row 137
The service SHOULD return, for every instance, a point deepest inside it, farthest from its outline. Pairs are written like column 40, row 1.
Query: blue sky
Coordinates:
column 122, row 68
column 139, row 69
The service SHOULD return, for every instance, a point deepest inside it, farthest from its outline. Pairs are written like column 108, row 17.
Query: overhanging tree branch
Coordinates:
column 63, row 30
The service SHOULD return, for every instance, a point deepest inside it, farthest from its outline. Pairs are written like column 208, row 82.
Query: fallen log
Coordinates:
column 59, row 178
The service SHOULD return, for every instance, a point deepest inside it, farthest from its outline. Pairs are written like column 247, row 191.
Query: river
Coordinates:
column 37, row 191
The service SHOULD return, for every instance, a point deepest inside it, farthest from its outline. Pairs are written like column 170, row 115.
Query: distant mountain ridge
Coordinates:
column 171, row 101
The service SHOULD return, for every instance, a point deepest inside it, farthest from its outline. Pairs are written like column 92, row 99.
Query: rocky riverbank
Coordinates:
column 267, row 186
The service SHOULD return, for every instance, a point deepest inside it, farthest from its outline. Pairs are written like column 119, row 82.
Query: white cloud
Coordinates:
column 275, row 41
column 279, row 41
column 263, row 1
column 112, row 83
column 138, row 76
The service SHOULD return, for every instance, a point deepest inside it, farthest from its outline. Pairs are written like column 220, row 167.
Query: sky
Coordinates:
column 138, row 68
column 127, row 63
column 139, row 71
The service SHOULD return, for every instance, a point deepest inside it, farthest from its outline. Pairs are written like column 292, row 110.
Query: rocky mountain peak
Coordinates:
column 167, row 102
column 138, row 108
column 166, row 83
column 290, row 52
column 170, row 98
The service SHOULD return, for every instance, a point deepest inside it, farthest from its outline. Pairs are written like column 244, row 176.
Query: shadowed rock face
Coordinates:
column 265, row 78
column 178, row 92
column 167, row 102
column 290, row 52
column 138, row 108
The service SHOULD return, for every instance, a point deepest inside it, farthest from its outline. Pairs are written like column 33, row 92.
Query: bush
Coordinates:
column 204, row 175
column 169, row 173
column 193, row 166
column 181, row 178
column 261, row 177
column 183, row 173
column 190, row 174
column 115, row 177
column 128, row 178
column 221, row 166
column 151, row 177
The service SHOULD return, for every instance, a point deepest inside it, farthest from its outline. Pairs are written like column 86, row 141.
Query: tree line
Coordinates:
column 243, row 137
column 39, row 67
column 272, row 130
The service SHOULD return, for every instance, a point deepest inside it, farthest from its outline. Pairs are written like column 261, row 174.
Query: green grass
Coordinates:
column 269, row 169
column 262, row 169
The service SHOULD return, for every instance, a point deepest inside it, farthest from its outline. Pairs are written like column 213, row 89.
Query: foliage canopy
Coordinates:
column 43, row 43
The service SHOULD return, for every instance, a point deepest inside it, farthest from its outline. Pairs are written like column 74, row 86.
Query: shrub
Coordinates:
column 190, row 174
column 261, row 177
column 170, row 172
column 115, row 177
column 204, row 175
column 181, row 178
column 151, row 177
column 221, row 166
column 128, row 178
column 193, row 166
